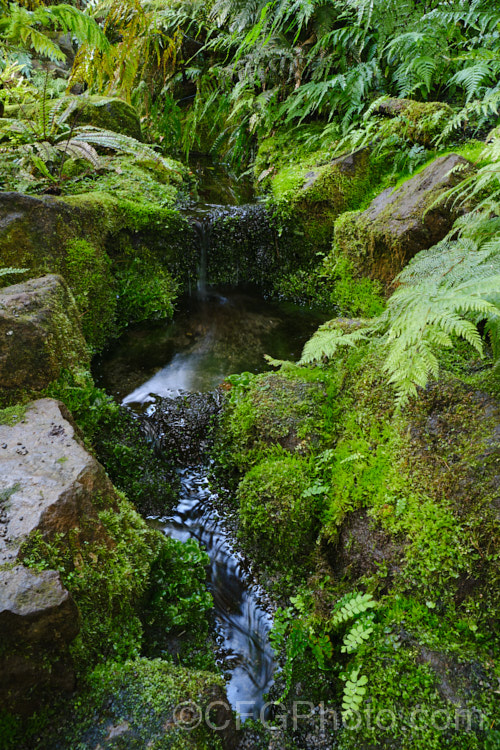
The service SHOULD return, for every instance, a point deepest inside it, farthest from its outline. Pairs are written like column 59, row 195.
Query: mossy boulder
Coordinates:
column 130, row 178
column 279, row 521
column 400, row 222
column 118, row 257
column 417, row 122
column 108, row 113
column 39, row 336
column 310, row 196
column 150, row 703
column 272, row 410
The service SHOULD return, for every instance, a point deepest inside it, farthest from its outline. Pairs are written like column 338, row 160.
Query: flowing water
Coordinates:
column 214, row 333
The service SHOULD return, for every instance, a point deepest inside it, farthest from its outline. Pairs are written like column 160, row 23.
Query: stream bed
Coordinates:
column 212, row 335
column 215, row 332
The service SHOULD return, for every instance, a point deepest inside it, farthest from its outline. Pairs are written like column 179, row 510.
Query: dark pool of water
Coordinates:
column 209, row 338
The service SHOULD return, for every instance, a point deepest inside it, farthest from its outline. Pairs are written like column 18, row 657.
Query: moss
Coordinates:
column 108, row 113
column 128, row 177
column 470, row 150
column 270, row 410
column 379, row 241
column 102, row 246
column 88, row 273
column 418, row 122
column 311, row 197
column 113, row 576
column 146, row 695
column 130, row 705
column 146, row 290
column 115, row 436
column 333, row 285
column 278, row 521
column 12, row 414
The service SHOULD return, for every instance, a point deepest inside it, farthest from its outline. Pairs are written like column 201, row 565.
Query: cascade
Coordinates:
column 169, row 374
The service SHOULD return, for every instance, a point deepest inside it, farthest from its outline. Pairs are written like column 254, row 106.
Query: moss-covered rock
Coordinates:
column 271, row 410
column 310, row 196
column 108, row 113
column 399, row 223
column 279, row 521
column 148, row 703
column 39, row 336
column 118, row 257
column 417, row 122
column 130, row 178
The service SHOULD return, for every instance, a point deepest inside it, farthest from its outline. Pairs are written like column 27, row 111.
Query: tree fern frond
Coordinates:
column 328, row 339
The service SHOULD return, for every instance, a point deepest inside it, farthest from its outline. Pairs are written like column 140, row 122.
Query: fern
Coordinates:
column 350, row 606
column 357, row 635
column 354, row 693
column 21, row 27
column 328, row 339
column 6, row 271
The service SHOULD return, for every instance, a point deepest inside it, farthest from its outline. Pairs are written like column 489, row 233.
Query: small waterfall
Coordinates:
column 203, row 229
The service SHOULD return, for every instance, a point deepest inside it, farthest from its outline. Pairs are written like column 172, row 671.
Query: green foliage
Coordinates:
column 293, row 636
column 116, row 438
column 350, row 606
column 146, row 290
column 440, row 290
column 8, row 272
column 106, row 578
column 20, row 27
column 276, row 519
column 329, row 338
column 354, row 693
column 177, row 594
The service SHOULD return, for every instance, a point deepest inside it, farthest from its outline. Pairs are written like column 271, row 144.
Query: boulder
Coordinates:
column 150, row 703
column 109, row 114
column 91, row 239
column 311, row 196
column 39, row 334
column 419, row 122
column 399, row 223
column 361, row 547
column 36, row 608
column 49, row 485
column 49, row 482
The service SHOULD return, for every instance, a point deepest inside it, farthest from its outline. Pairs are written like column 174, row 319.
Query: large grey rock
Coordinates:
column 39, row 334
column 35, row 607
column 51, row 485
column 399, row 223
column 50, row 482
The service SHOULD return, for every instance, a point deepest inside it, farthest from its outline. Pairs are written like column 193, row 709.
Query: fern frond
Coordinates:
column 77, row 150
column 350, row 606
column 328, row 339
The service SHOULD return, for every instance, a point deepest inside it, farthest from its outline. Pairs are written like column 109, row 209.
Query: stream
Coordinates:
column 215, row 332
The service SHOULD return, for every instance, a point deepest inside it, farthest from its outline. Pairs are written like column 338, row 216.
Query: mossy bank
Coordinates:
column 387, row 559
